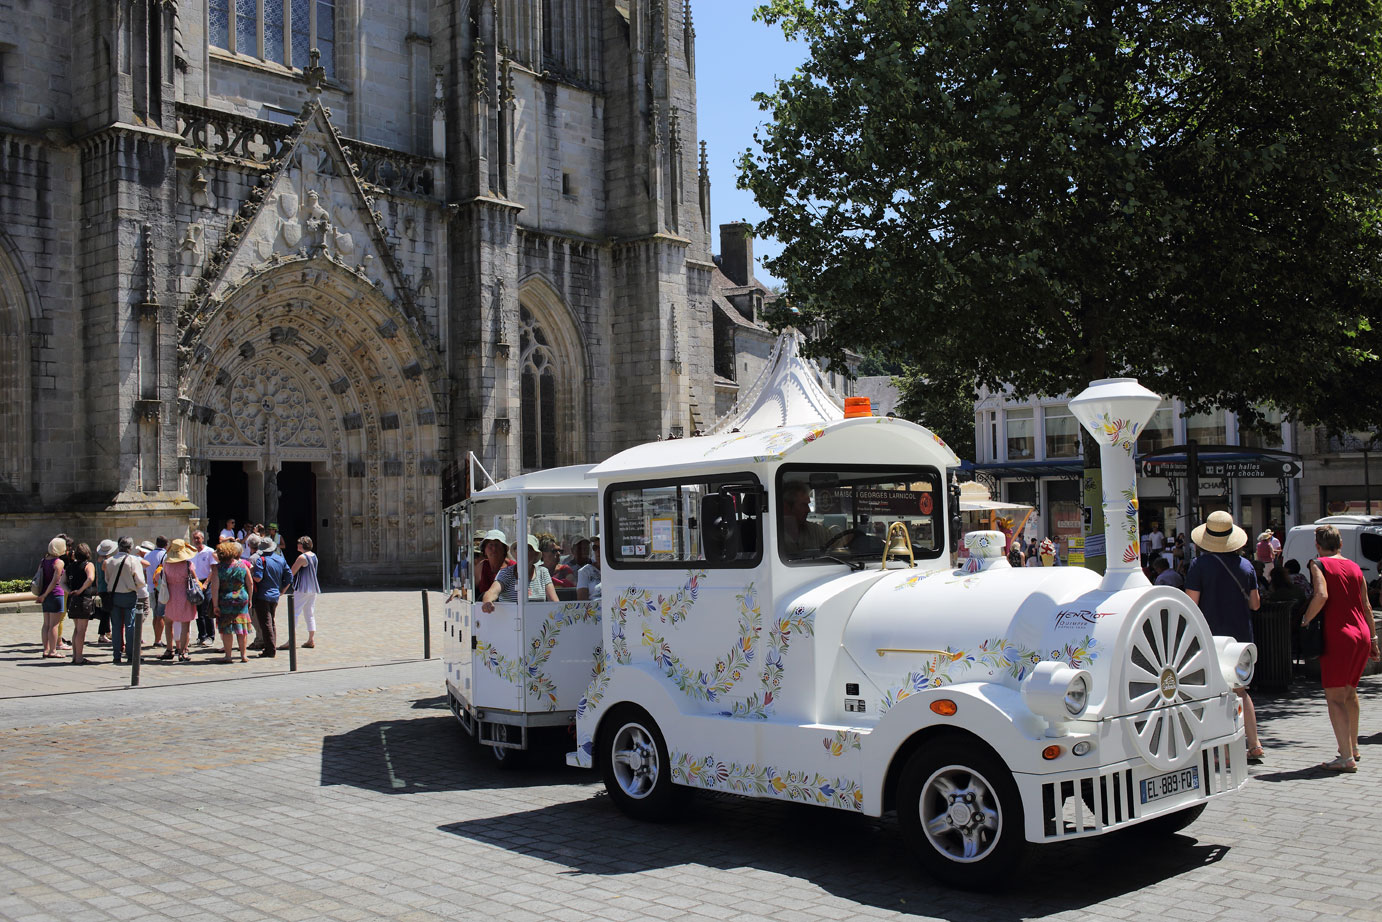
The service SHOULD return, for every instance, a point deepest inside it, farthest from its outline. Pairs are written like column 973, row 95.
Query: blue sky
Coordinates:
column 735, row 58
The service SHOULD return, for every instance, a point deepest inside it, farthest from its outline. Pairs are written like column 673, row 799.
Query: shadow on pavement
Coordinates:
column 431, row 753
column 856, row 858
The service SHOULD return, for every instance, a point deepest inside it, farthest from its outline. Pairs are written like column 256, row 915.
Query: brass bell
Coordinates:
column 899, row 543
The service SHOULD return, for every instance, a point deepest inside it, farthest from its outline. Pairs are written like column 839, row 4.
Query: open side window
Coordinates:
column 701, row 522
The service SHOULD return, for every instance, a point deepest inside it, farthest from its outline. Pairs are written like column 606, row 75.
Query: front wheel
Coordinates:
column 961, row 813
column 637, row 770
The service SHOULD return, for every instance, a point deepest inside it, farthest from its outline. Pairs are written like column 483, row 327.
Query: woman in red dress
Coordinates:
column 1350, row 639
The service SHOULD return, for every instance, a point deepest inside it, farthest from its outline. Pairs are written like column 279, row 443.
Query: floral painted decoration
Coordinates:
column 1121, row 433
column 843, row 741
column 529, row 669
column 760, row 704
column 711, row 686
column 994, row 655
column 766, row 781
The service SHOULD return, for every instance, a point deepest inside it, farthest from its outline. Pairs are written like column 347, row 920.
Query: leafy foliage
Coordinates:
column 945, row 406
column 1042, row 192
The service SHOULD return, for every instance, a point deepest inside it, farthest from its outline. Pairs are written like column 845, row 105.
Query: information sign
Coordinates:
column 1238, row 467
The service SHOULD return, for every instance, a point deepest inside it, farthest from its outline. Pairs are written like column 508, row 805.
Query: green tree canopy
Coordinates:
column 1043, row 192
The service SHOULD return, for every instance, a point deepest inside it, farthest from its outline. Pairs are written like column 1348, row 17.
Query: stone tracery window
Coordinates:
column 538, row 394
column 281, row 31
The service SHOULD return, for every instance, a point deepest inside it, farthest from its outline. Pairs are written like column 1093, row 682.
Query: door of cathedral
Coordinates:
column 297, row 506
column 227, row 496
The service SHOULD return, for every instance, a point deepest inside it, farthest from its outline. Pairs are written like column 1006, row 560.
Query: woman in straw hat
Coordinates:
column 52, row 596
column 178, row 610
column 1350, row 639
column 1224, row 585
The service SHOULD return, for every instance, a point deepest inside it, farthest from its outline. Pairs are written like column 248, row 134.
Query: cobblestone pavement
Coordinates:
column 326, row 796
column 353, row 628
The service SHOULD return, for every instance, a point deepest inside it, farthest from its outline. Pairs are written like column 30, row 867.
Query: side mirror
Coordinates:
column 955, row 521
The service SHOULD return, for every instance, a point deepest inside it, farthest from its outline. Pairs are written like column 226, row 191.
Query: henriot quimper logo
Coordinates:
column 1079, row 618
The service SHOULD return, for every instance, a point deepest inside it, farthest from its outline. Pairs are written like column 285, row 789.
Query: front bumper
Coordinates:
column 1103, row 798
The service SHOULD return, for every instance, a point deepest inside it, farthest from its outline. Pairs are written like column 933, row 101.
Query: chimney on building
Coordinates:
column 736, row 252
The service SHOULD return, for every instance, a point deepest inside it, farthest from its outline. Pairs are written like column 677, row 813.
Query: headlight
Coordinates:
column 1237, row 661
column 1077, row 696
column 1056, row 691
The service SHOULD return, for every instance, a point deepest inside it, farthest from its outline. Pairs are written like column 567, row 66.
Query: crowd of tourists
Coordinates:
column 232, row 589
column 554, row 575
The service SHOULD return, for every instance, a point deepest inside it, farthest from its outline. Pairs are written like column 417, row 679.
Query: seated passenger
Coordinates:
column 588, row 579
column 799, row 535
column 505, row 585
column 562, row 574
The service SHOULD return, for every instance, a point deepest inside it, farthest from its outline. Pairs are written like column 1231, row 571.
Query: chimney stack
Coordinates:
column 736, row 252
column 1113, row 411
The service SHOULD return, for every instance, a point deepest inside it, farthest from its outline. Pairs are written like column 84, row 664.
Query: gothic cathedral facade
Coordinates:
column 293, row 259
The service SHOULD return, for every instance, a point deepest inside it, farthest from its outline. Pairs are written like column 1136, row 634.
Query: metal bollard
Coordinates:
column 292, row 636
column 137, row 646
column 426, row 627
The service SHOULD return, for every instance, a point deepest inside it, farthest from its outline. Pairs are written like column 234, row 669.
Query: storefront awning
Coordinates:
column 1028, row 470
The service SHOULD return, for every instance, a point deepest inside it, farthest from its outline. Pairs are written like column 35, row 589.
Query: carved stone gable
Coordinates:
column 312, row 205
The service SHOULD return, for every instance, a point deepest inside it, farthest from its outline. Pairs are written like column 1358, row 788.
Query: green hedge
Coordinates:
column 14, row 585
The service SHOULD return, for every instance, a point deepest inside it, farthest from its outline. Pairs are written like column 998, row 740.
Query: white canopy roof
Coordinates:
column 551, row 480
column 791, row 391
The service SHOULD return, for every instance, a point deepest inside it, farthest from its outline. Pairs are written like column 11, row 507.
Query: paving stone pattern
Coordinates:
column 368, row 803
column 353, row 628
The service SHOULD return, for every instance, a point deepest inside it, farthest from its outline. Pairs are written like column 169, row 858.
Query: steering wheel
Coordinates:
column 842, row 539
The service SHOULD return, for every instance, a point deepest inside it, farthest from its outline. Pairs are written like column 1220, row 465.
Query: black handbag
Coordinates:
column 1312, row 634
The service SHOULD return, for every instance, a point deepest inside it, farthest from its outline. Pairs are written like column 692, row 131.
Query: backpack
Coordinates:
column 36, row 585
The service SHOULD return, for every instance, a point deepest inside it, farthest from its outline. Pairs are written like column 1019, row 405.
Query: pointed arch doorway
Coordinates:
column 314, row 383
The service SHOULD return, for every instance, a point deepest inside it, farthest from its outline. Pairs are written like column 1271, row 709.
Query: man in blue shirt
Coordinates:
column 1224, row 585
column 270, row 572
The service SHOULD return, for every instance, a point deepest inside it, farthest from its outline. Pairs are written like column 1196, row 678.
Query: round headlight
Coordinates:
column 1077, row 695
column 1245, row 667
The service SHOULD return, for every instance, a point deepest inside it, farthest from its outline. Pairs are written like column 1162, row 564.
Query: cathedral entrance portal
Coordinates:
column 312, row 382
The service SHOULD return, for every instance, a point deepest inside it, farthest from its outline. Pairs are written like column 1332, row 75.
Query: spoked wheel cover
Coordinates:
column 634, row 755
column 961, row 814
column 1165, row 681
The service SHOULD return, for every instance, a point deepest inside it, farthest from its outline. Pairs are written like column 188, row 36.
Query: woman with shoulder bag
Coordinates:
column 51, row 596
column 1350, row 640
column 81, row 600
column 103, row 552
column 178, row 610
column 306, row 588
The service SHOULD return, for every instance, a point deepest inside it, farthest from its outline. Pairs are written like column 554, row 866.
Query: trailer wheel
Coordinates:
column 507, row 758
column 637, row 770
column 1170, row 824
column 961, row 813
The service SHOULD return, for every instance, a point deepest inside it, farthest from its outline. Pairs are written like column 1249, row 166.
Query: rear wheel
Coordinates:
column 637, row 770
column 508, row 758
column 961, row 813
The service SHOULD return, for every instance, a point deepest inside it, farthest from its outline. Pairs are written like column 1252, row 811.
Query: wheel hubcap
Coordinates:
column 636, row 763
column 1166, row 680
column 960, row 814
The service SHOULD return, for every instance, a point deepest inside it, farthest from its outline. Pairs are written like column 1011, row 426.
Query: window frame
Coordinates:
column 260, row 52
column 1031, row 420
column 924, row 471
column 610, row 544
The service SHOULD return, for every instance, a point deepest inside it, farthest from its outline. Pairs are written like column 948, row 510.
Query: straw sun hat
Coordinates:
column 178, row 551
column 1218, row 534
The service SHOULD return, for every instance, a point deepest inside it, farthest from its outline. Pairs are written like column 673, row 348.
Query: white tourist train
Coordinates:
column 780, row 618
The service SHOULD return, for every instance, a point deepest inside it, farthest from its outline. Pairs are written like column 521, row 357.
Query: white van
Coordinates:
column 1362, row 542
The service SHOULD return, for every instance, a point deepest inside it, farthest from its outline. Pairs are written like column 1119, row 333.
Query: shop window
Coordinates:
column 1160, row 431
column 1062, row 433
column 1206, row 428
column 1021, row 430
column 1268, row 438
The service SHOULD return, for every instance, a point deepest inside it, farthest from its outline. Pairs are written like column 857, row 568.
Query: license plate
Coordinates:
column 1171, row 784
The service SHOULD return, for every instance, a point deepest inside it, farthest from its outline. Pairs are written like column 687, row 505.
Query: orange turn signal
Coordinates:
column 944, row 707
column 1050, row 752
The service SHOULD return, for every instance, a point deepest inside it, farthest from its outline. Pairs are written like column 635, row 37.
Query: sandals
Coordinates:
column 168, row 654
column 1255, row 755
column 309, row 645
column 1340, row 764
column 222, row 661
